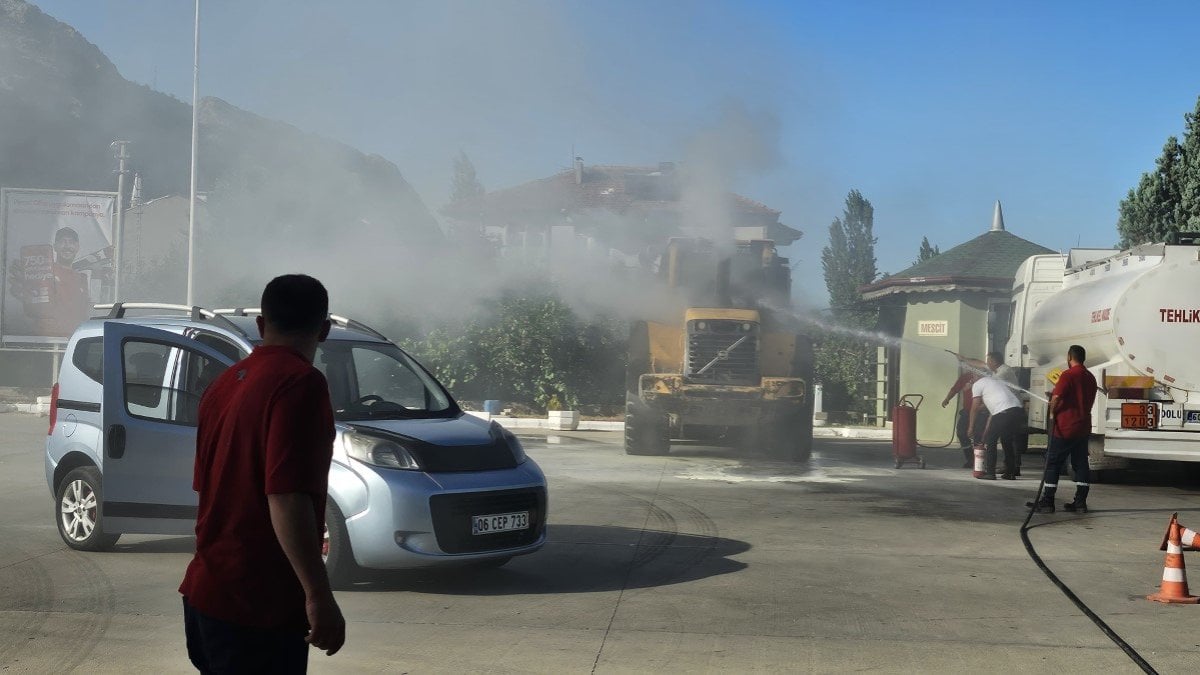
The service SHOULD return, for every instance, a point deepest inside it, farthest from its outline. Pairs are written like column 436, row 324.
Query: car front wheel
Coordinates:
column 335, row 549
column 78, row 504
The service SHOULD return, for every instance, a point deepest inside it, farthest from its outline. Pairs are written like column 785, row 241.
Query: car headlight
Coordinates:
column 510, row 439
column 514, row 444
column 379, row 451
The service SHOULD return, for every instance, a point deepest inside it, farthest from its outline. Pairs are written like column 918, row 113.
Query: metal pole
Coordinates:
column 191, row 261
column 119, row 220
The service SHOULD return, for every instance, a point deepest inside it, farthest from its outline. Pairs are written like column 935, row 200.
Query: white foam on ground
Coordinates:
column 733, row 472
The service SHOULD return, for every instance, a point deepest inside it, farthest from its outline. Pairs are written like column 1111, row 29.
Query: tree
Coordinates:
column 849, row 260
column 926, row 251
column 1166, row 200
column 465, row 185
column 848, row 263
column 528, row 346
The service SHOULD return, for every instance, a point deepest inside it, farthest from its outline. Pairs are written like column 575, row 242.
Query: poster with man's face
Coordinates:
column 58, row 262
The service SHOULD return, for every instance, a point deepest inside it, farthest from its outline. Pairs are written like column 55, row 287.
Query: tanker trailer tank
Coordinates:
column 1137, row 314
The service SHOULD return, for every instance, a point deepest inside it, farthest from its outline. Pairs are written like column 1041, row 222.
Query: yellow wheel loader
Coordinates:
column 732, row 368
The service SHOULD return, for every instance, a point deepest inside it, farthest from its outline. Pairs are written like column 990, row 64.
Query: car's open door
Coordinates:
column 153, row 380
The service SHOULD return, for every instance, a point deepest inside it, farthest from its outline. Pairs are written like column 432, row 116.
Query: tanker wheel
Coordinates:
column 646, row 432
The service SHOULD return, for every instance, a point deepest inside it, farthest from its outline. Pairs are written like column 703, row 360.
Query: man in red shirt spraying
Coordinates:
column 1070, row 427
column 969, row 371
column 256, row 595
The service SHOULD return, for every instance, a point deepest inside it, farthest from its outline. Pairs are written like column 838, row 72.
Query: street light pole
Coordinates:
column 119, row 216
column 191, row 247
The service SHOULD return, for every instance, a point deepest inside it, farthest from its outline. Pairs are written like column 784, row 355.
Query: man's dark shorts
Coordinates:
column 216, row 646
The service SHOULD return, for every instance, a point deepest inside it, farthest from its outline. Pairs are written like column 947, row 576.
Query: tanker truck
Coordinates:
column 1137, row 313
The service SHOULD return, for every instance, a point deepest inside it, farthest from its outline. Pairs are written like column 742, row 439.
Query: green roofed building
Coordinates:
column 959, row 301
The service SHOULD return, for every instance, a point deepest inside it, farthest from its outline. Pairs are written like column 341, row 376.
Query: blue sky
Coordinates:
column 933, row 110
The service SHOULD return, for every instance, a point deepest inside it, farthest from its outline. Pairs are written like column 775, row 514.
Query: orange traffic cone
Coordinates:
column 1174, row 587
column 1188, row 539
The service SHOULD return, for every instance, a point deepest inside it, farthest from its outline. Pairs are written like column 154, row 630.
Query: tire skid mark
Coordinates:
column 677, row 553
column 25, row 598
column 701, row 535
column 57, row 611
column 662, row 534
column 84, row 627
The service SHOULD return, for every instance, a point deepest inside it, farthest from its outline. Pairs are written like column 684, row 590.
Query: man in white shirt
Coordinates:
column 1007, row 420
column 995, row 363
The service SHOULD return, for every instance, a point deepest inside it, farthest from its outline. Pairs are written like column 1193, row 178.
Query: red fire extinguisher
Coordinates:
column 979, row 455
column 904, row 430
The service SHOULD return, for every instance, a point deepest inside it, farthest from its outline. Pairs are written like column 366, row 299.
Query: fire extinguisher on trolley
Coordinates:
column 904, row 430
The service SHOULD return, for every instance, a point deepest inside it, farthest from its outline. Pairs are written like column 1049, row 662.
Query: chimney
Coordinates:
column 998, row 218
column 579, row 171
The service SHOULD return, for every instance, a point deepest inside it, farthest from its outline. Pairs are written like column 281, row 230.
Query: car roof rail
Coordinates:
column 342, row 321
column 117, row 310
column 358, row 326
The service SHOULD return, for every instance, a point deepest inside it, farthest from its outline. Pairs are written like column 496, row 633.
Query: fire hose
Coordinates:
column 953, row 428
column 1087, row 611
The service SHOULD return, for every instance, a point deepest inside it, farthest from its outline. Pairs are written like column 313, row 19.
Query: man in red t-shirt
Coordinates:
column 970, row 371
column 1070, row 427
column 256, row 594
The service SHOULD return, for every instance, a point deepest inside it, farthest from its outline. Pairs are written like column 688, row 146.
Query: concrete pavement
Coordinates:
column 697, row 562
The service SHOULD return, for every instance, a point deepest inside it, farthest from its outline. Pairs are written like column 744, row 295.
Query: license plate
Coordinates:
column 500, row 522
column 1139, row 415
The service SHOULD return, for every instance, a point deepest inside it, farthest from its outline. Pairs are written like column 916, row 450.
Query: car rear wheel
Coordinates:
column 336, row 550
column 78, row 505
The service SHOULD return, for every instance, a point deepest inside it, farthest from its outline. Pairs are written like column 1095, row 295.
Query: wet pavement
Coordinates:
column 701, row 561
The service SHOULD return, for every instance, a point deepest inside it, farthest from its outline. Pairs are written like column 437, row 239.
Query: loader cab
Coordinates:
column 748, row 275
column 690, row 267
column 758, row 275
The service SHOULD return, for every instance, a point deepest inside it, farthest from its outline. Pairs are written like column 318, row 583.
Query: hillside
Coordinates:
column 62, row 102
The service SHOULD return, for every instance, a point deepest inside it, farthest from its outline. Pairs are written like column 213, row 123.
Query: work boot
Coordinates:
column 987, row 476
column 1043, row 505
column 1079, row 504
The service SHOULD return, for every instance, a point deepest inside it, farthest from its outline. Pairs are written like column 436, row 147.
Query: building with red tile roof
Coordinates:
column 624, row 208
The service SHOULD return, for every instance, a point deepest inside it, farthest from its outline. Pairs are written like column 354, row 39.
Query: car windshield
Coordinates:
column 371, row 381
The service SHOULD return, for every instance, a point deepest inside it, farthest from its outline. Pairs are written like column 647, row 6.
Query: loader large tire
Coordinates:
column 646, row 431
column 789, row 439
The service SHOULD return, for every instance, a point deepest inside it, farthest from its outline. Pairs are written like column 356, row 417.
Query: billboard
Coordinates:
column 57, row 261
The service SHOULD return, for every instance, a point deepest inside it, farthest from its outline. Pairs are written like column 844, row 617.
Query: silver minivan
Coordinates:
column 414, row 482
